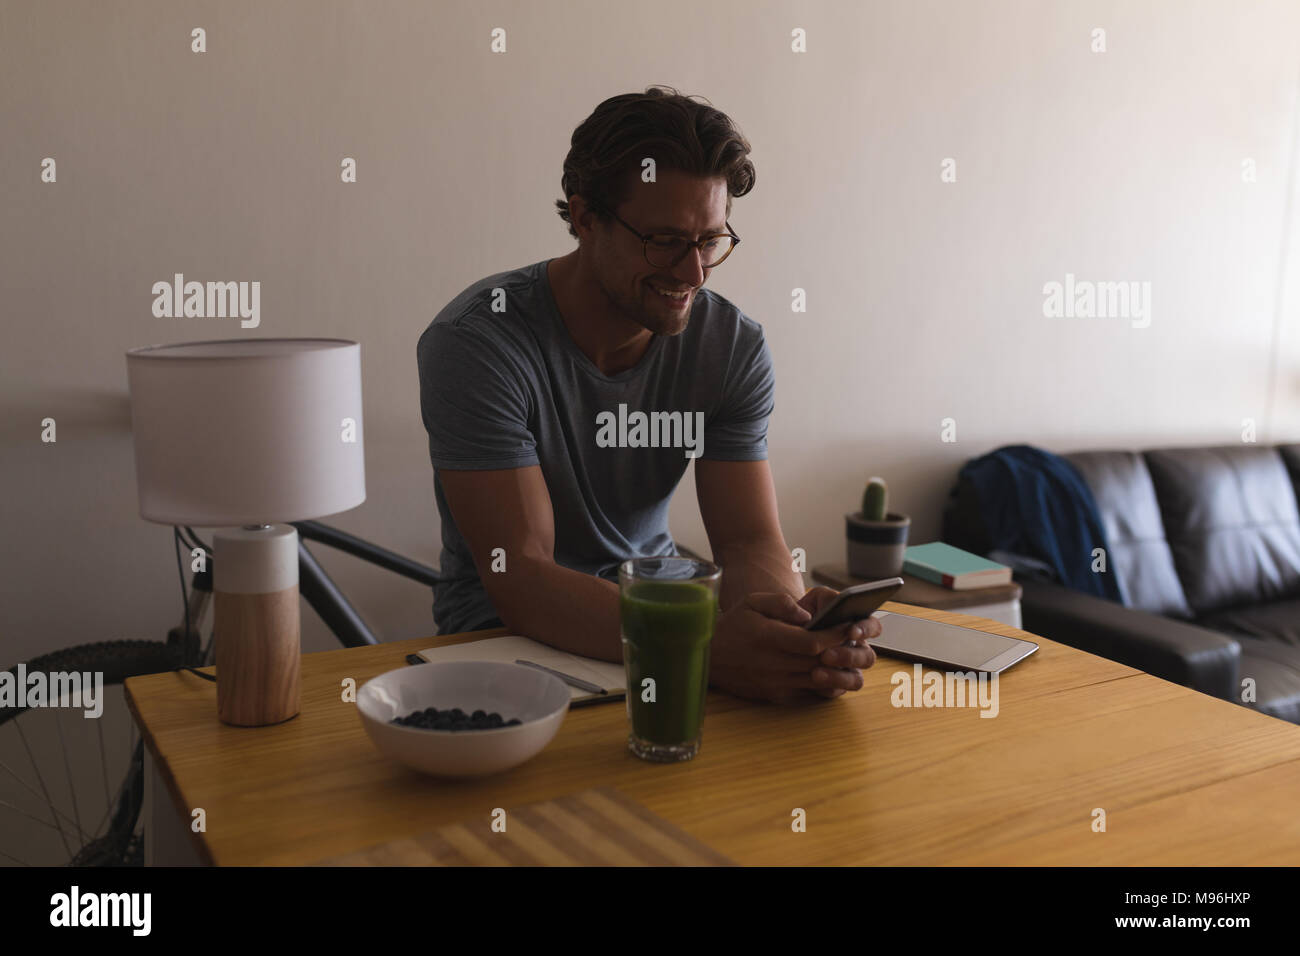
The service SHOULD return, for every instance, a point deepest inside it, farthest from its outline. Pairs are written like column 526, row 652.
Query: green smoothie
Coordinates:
column 667, row 627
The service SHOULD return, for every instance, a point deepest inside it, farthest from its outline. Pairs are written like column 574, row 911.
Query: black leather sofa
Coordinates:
column 1205, row 544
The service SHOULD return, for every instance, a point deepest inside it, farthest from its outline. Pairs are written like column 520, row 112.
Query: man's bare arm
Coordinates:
column 534, row 596
column 738, row 505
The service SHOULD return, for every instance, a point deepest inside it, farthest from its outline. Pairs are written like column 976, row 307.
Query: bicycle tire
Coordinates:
column 116, row 660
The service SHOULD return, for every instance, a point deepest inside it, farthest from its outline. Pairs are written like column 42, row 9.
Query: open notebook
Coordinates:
column 511, row 648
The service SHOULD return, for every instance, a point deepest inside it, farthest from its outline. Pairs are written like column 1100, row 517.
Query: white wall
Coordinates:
column 924, row 298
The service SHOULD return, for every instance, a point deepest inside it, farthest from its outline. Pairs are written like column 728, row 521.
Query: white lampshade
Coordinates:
column 247, row 431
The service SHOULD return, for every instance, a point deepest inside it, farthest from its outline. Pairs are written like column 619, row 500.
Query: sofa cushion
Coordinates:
column 1275, row 668
column 1135, row 533
column 1274, row 621
column 1232, row 523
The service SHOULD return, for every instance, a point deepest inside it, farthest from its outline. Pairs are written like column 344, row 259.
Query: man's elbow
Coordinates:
column 512, row 585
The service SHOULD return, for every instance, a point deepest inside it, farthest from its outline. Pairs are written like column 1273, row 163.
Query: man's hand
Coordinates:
column 762, row 651
column 835, row 657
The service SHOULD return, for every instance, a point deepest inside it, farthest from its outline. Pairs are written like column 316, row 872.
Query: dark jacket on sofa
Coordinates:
column 1037, row 505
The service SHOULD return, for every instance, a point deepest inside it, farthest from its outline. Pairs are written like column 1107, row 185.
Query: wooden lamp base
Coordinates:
column 257, row 625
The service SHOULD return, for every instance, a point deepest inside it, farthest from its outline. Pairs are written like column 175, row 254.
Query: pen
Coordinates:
column 588, row 701
column 605, row 696
column 577, row 682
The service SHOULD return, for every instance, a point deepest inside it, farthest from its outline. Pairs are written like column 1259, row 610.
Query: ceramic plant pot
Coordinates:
column 875, row 548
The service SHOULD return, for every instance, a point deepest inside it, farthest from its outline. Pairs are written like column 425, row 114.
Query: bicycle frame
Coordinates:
column 323, row 594
column 319, row 590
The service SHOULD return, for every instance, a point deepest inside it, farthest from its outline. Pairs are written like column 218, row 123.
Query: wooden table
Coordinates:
column 1185, row 779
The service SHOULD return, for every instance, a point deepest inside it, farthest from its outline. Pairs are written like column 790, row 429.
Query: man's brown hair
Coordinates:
column 662, row 124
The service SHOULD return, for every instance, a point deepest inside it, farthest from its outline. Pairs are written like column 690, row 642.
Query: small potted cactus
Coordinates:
column 876, row 537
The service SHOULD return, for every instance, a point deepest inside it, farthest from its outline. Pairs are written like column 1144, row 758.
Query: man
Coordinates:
column 522, row 374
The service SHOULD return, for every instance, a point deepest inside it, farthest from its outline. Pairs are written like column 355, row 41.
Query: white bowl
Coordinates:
column 538, row 699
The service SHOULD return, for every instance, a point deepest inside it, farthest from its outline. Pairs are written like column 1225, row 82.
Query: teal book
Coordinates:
column 953, row 568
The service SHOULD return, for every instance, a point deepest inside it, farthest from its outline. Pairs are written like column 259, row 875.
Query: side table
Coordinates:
column 1001, row 602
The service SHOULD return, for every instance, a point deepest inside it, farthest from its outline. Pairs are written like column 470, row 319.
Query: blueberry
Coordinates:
column 431, row 718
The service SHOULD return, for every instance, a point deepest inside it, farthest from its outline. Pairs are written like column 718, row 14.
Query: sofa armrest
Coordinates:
column 1184, row 653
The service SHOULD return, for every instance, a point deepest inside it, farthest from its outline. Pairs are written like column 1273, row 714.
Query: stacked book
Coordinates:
column 953, row 568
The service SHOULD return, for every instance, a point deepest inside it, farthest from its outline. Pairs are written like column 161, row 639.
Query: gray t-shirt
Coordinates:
column 509, row 388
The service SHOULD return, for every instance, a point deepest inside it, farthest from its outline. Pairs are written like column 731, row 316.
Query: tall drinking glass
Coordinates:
column 668, row 606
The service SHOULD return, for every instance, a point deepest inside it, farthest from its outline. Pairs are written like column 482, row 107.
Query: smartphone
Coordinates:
column 855, row 603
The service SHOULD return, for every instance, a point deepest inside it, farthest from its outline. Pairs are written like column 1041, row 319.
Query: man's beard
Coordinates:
column 645, row 312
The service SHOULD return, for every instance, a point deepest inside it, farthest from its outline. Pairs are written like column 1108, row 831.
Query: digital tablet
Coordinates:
column 949, row 646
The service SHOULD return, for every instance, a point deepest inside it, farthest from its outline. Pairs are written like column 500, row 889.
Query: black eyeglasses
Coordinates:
column 665, row 251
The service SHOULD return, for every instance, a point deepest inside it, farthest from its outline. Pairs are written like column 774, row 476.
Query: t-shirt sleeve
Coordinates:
column 738, row 432
column 473, row 400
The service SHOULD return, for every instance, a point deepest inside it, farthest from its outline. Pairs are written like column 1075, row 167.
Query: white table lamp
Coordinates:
column 246, row 433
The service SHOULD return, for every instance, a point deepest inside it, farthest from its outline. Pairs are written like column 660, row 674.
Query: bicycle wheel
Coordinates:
column 59, row 785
